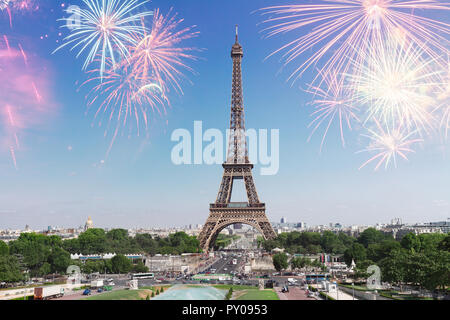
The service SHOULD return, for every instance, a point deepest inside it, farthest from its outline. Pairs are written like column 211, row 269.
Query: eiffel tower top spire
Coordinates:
column 237, row 149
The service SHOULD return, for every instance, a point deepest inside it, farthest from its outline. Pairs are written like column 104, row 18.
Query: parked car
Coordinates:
column 87, row 292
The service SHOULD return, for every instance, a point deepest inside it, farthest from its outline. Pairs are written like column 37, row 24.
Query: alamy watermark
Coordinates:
column 210, row 147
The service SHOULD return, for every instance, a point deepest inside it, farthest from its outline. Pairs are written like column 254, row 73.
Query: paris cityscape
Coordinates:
column 129, row 175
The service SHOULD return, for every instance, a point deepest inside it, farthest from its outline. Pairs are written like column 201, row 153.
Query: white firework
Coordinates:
column 105, row 28
column 4, row 4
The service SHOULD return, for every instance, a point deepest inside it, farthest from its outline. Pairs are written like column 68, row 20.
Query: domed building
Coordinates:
column 89, row 224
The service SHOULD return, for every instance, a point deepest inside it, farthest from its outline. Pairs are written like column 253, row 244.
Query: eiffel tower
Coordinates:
column 224, row 213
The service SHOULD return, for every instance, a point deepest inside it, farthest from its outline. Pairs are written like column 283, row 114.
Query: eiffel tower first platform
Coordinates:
column 224, row 213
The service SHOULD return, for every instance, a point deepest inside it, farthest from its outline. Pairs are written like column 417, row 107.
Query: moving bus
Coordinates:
column 136, row 276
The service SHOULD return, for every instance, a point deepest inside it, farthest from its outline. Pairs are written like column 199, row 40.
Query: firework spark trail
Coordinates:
column 5, row 38
column 397, row 85
column 23, row 93
column 13, row 157
column 388, row 144
column 342, row 29
column 444, row 104
column 156, row 54
column 12, row 125
column 18, row 6
column 105, row 27
column 25, row 58
column 119, row 88
column 332, row 103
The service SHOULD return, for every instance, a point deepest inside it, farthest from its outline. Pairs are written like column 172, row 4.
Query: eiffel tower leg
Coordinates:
column 219, row 220
column 251, row 189
column 225, row 189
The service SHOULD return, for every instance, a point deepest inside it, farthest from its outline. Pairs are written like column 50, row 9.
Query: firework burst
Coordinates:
column 389, row 144
column 343, row 29
column 444, row 104
column 332, row 102
column 397, row 85
column 105, row 28
column 158, row 55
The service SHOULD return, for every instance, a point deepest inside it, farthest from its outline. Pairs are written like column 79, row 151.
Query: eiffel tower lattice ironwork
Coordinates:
column 224, row 213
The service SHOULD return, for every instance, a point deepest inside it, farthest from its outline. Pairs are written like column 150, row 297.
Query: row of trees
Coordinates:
column 422, row 260
column 95, row 241
column 38, row 255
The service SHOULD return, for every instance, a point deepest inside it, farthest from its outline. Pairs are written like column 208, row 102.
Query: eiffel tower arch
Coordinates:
column 223, row 212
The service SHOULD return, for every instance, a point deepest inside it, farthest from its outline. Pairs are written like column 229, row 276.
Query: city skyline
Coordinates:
column 62, row 175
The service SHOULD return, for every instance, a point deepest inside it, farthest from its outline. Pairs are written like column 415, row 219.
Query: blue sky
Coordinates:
column 138, row 186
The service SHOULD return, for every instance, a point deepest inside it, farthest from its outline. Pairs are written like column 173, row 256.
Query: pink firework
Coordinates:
column 158, row 54
column 332, row 102
column 13, row 6
column 330, row 33
column 389, row 144
column 24, row 95
column 121, row 99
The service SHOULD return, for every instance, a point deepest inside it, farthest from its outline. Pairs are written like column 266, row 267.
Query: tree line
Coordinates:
column 422, row 260
column 33, row 255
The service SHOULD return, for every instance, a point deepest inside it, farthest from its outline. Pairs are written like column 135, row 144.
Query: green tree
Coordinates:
column 10, row 269
column 445, row 243
column 299, row 263
column 411, row 242
column 280, row 261
column 430, row 241
column 35, row 249
column 121, row 264
column 93, row 241
column 59, row 260
column 378, row 251
column 356, row 252
column 371, row 235
column 140, row 267
column 330, row 242
column 72, row 246
column 45, row 269
column 4, row 249
column 394, row 266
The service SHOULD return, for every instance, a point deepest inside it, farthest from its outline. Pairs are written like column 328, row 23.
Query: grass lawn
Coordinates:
column 255, row 294
column 121, row 295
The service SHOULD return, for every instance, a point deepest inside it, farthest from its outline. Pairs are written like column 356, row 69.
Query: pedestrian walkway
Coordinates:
column 340, row 295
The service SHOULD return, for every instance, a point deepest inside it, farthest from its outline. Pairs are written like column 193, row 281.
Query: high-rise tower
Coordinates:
column 237, row 166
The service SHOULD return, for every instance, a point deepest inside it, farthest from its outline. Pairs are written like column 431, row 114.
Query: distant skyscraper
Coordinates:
column 283, row 220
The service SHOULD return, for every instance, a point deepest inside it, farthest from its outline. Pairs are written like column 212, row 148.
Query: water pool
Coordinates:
column 181, row 292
